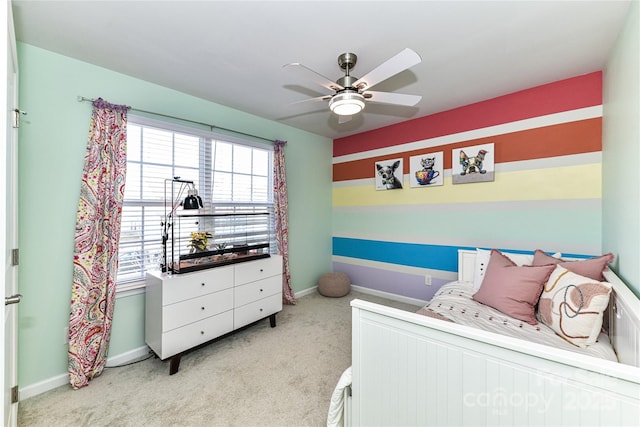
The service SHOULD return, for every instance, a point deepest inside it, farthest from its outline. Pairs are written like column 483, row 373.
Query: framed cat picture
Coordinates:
column 389, row 174
column 473, row 164
column 426, row 170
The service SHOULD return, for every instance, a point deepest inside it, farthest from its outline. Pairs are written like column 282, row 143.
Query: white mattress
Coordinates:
column 454, row 301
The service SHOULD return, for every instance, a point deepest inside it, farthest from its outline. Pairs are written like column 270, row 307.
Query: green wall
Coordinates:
column 52, row 142
column 621, row 151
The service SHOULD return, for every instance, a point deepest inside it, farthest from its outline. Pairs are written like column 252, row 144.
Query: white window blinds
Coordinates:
column 231, row 176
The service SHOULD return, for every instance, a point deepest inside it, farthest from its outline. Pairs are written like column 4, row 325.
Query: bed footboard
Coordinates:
column 413, row 370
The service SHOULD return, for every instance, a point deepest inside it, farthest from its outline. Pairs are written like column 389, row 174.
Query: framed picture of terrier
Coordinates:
column 426, row 170
column 388, row 174
column 472, row 164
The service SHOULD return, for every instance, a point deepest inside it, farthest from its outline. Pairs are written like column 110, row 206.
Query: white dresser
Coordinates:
column 189, row 309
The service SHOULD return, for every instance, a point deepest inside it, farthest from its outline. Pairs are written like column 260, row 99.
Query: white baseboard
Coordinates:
column 381, row 294
column 128, row 357
column 63, row 379
column 43, row 386
column 387, row 295
column 305, row 292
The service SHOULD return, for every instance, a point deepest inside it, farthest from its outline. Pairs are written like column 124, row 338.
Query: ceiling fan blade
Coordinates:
column 315, row 77
column 319, row 98
column 392, row 98
column 405, row 59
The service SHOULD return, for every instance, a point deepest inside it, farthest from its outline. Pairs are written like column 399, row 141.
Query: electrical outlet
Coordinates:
column 66, row 335
column 427, row 279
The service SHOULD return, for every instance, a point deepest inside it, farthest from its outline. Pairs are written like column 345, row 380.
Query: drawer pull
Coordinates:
column 260, row 290
column 260, row 309
column 261, row 270
column 202, row 283
column 201, row 332
column 203, row 308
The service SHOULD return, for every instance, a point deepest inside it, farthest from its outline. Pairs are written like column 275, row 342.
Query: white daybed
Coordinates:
column 410, row 369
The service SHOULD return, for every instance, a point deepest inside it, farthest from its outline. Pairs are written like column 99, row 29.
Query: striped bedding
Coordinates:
column 454, row 302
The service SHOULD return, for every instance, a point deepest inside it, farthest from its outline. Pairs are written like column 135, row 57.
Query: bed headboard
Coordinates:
column 623, row 314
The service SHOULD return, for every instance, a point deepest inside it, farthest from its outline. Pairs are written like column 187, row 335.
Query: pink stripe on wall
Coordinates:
column 565, row 95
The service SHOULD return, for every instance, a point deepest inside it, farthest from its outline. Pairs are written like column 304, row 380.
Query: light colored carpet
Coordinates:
column 260, row 376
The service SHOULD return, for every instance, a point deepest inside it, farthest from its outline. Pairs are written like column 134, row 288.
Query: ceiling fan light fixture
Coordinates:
column 347, row 103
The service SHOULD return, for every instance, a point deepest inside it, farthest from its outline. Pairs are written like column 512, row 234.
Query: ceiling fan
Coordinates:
column 351, row 93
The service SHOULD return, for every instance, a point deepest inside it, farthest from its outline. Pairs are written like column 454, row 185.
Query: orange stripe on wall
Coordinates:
column 584, row 136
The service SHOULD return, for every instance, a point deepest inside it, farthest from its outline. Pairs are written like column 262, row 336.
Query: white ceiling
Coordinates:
column 232, row 52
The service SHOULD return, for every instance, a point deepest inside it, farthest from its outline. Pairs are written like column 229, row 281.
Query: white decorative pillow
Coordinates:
column 482, row 261
column 573, row 305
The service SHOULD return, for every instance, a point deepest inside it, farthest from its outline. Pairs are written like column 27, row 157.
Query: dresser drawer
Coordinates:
column 257, row 310
column 194, row 309
column 193, row 334
column 179, row 287
column 257, row 290
column 259, row 269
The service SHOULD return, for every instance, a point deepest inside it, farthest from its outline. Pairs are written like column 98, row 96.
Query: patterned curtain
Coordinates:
column 281, row 207
column 95, row 257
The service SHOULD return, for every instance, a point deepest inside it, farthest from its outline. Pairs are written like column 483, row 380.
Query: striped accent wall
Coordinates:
column 546, row 194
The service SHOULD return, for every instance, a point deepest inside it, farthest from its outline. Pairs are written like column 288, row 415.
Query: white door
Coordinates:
column 9, row 217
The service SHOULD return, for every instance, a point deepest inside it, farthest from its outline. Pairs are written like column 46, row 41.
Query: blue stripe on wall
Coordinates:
column 435, row 257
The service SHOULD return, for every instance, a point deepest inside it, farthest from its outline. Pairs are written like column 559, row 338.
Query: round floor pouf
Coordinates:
column 334, row 284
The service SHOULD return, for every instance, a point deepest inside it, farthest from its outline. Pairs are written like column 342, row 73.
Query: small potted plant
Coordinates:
column 199, row 241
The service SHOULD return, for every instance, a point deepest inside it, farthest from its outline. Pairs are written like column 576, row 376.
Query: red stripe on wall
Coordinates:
column 565, row 95
column 564, row 139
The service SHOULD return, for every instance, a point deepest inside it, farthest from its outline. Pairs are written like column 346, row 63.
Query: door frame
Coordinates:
column 9, row 217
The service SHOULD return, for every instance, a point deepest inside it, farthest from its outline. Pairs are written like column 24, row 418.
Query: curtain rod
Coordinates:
column 83, row 99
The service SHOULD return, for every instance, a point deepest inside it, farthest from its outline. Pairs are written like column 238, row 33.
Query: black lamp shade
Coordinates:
column 192, row 202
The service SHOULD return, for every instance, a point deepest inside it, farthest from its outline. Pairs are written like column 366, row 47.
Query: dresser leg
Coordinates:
column 174, row 364
column 272, row 320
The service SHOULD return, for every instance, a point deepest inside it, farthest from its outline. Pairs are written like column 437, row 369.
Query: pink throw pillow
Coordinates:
column 591, row 268
column 511, row 289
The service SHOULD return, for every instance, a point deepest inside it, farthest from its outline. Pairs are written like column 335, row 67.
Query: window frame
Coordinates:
column 136, row 286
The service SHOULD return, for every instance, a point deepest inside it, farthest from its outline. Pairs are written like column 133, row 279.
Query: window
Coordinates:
column 231, row 176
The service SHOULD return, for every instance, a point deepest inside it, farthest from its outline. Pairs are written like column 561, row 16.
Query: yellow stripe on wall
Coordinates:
column 568, row 182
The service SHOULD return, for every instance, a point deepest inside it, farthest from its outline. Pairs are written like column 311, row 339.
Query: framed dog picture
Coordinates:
column 426, row 170
column 472, row 164
column 388, row 174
